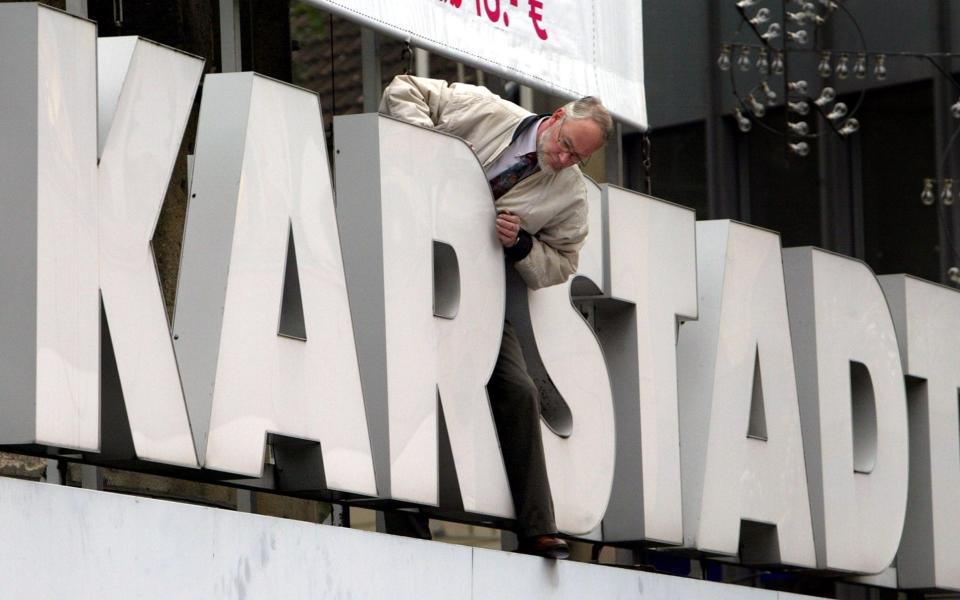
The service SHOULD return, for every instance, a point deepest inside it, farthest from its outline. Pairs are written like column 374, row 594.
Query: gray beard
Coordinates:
column 542, row 155
column 542, row 161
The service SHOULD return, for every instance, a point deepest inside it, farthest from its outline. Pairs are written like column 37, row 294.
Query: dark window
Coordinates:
column 897, row 133
column 678, row 168
column 783, row 187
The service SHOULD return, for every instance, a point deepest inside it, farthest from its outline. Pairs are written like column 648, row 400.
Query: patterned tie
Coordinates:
column 526, row 164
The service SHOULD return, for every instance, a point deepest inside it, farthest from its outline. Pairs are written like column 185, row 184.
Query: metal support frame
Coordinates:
column 91, row 477
column 230, row 45
column 56, row 472
column 339, row 515
column 246, row 501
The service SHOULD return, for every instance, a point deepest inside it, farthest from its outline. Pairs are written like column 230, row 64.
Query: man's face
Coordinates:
column 566, row 142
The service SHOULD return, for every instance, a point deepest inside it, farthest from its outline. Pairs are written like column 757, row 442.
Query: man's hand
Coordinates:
column 508, row 228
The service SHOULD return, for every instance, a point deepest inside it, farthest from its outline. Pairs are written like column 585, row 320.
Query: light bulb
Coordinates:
column 799, row 128
column 955, row 109
column 776, row 65
column 954, row 274
column 801, row 108
column 946, row 192
column 880, row 68
column 851, row 125
column 860, row 67
column 798, row 37
column 746, row 3
column 743, row 123
column 824, row 67
column 762, row 16
column 827, row 95
column 800, row 148
column 769, row 93
column 843, row 66
column 757, row 108
column 839, row 111
column 743, row 61
column 798, row 17
column 798, row 87
column 830, row 4
column 724, row 61
column 926, row 196
column 763, row 65
column 773, row 31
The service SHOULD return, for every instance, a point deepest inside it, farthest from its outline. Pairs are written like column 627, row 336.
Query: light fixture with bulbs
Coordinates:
column 761, row 67
column 945, row 187
column 766, row 58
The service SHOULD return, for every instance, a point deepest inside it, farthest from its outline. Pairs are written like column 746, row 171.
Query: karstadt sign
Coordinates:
column 805, row 412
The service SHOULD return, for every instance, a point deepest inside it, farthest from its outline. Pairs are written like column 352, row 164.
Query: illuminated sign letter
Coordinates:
column 49, row 294
column 744, row 480
column 425, row 272
column 146, row 94
column 265, row 339
column 853, row 409
column 653, row 284
column 927, row 317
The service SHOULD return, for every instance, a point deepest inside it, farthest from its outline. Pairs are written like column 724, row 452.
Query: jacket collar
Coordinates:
column 525, row 124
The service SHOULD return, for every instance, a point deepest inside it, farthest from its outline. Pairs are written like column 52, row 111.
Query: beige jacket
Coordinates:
column 552, row 208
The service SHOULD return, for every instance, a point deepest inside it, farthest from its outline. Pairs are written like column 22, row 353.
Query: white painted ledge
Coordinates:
column 101, row 545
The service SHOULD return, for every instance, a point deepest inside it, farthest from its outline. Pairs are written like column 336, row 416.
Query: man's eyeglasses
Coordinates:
column 567, row 148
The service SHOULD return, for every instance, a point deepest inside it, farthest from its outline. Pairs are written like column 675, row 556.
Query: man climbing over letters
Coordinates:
column 533, row 165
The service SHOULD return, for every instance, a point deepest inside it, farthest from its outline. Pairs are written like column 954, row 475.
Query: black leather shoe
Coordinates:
column 547, row 546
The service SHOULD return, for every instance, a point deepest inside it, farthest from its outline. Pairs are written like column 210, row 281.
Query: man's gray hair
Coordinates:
column 590, row 107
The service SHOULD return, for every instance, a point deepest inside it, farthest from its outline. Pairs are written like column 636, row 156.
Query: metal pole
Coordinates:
column 948, row 164
column 526, row 97
column 613, row 154
column 721, row 146
column 370, row 62
column 421, row 63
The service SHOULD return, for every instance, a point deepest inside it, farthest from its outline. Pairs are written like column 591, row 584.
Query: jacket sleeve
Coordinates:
column 415, row 100
column 546, row 266
column 555, row 253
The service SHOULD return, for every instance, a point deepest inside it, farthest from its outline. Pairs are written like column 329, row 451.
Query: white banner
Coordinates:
column 566, row 47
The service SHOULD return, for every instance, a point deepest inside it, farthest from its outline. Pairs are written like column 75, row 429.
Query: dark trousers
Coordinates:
column 515, row 401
